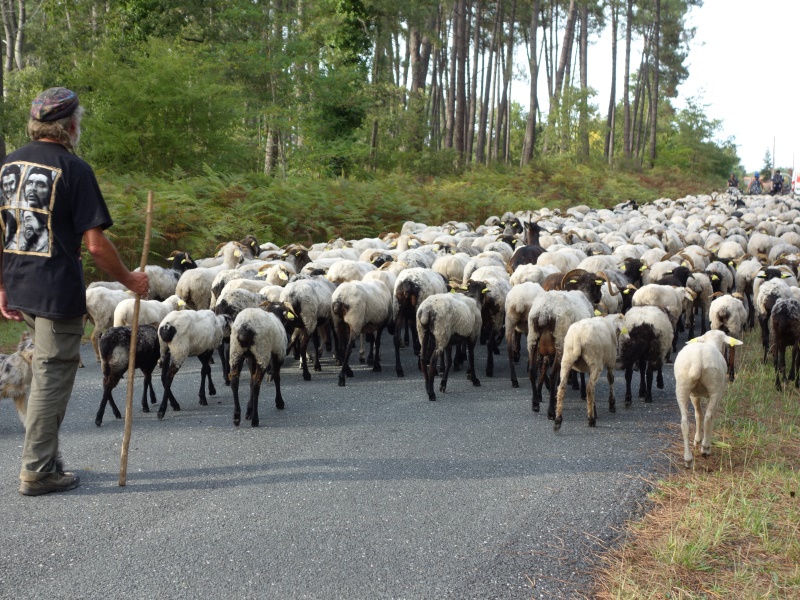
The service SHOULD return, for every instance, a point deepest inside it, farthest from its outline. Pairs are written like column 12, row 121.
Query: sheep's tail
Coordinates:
column 167, row 332
column 340, row 308
column 246, row 336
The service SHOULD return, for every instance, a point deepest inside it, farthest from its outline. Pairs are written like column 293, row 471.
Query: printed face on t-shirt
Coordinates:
column 33, row 234
column 37, row 190
column 9, row 187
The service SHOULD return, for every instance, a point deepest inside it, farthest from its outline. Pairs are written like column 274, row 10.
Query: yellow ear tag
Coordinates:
column 684, row 264
column 598, row 281
column 282, row 276
column 453, row 291
column 181, row 303
column 573, row 281
column 597, row 313
column 692, row 341
column 761, row 274
column 626, row 291
column 624, row 331
column 484, row 290
column 732, row 342
column 644, row 267
column 730, row 264
column 183, row 262
column 714, row 278
column 289, row 315
column 236, row 253
column 784, row 275
column 622, row 268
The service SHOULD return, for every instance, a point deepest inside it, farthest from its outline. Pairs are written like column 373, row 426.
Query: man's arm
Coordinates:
column 107, row 258
column 13, row 315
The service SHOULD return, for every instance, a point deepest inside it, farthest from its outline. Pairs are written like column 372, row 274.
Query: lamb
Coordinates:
column 549, row 319
column 442, row 321
column 260, row 336
column 115, row 353
column 411, row 288
column 100, row 305
column 589, row 346
column 646, row 342
column 16, row 375
column 360, row 307
column 700, row 373
column 784, row 332
column 151, row 312
column 311, row 301
column 187, row 333
column 518, row 305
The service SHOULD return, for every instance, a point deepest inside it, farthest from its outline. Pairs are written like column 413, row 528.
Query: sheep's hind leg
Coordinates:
column 236, row 369
column 448, row 362
column 205, row 373
column 255, row 387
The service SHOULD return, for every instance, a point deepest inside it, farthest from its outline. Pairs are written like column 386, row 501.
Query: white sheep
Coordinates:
column 100, row 305
column 442, row 321
column 550, row 317
column 411, row 288
column 590, row 346
column 348, row 270
column 194, row 286
column 151, row 312
column 311, row 301
column 518, row 305
column 185, row 333
column 729, row 315
column 261, row 336
column 360, row 307
column 700, row 370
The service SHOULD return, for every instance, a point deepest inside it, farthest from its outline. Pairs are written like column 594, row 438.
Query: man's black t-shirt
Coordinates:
column 50, row 197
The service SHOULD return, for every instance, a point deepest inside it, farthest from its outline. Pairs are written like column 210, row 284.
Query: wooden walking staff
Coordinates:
column 126, row 437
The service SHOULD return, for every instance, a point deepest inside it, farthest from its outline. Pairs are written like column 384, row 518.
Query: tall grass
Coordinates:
column 730, row 526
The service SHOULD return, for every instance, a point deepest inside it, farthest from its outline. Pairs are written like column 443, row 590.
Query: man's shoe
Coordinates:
column 55, row 482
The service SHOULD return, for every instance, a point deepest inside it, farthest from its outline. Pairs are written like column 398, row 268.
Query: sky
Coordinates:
column 739, row 50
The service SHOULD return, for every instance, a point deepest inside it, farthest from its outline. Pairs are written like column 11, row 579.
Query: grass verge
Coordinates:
column 729, row 527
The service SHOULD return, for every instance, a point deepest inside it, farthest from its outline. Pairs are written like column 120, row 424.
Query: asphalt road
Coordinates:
column 363, row 492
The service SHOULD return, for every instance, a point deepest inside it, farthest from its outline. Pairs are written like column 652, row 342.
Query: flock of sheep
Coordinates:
column 589, row 290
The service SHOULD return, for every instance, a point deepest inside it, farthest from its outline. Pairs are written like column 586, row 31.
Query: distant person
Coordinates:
column 777, row 183
column 44, row 285
column 733, row 181
column 755, row 185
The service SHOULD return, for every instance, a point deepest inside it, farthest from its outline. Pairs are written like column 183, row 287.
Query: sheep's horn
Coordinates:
column 574, row 272
column 174, row 253
column 604, row 275
column 219, row 246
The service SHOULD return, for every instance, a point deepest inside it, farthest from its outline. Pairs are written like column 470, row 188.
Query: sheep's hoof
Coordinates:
column 592, row 422
column 400, row 373
column 557, row 424
column 431, row 397
column 254, row 422
column 551, row 416
column 160, row 415
column 341, row 381
column 535, row 407
column 648, row 399
column 236, row 421
column 279, row 404
column 348, row 371
column 514, row 383
column 489, row 373
column 306, row 376
column 731, row 378
column 98, row 422
column 476, row 382
column 362, row 360
column 687, row 464
column 145, row 408
column 203, row 402
column 612, row 408
column 443, row 387
column 376, row 368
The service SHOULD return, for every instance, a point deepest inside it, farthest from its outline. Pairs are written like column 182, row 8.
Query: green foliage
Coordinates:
column 163, row 106
column 766, row 168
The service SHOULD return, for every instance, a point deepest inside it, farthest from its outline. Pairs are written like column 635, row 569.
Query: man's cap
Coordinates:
column 54, row 104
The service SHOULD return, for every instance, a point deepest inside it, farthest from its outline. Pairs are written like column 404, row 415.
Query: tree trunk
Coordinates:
column 608, row 151
column 480, row 150
column 533, row 67
column 461, row 78
column 583, row 115
column 9, row 28
column 656, row 69
column 20, row 37
column 473, row 83
column 504, row 111
column 451, row 88
column 626, row 119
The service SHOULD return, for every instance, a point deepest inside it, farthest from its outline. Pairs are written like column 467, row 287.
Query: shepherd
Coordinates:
column 44, row 285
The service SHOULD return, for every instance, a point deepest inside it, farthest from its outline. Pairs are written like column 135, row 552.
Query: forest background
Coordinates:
column 303, row 120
